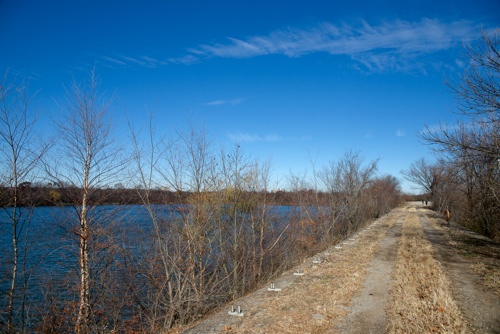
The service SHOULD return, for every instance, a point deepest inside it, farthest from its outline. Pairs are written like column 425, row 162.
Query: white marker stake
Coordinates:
column 236, row 312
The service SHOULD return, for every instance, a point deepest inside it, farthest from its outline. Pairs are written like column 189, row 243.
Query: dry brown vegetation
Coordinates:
column 491, row 276
column 485, row 254
column 421, row 300
column 316, row 302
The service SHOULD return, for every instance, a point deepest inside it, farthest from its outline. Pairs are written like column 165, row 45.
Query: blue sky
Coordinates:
column 290, row 81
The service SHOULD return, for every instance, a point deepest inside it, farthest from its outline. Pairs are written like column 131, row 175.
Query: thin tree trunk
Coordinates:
column 82, row 322
column 12, row 289
column 14, row 276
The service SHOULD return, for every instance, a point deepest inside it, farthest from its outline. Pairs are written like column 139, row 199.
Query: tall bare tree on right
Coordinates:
column 472, row 146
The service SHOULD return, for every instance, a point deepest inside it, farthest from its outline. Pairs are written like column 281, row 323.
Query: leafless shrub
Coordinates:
column 346, row 183
column 225, row 237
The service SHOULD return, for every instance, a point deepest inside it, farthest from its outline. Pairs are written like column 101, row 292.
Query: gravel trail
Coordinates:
column 348, row 291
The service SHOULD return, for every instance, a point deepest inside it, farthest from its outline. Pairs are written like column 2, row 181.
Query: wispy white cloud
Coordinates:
column 114, row 60
column 184, row 60
column 400, row 133
column 460, row 63
column 391, row 45
column 251, row 138
column 144, row 61
column 224, row 102
column 388, row 46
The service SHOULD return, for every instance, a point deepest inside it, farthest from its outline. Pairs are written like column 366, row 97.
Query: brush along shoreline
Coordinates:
column 408, row 271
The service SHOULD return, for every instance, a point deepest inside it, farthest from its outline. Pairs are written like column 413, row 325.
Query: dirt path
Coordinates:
column 368, row 308
column 347, row 292
column 460, row 251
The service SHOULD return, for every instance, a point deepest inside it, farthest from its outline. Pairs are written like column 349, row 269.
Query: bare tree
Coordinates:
column 472, row 146
column 345, row 181
column 383, row 194
column 426, row 175
column 21, row 152
column 88, row 159
column 478, row 94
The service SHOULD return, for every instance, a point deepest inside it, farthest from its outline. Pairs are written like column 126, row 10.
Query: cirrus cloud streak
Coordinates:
column 391, row 45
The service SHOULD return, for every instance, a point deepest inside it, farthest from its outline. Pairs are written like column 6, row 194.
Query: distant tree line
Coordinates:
column 46, row 195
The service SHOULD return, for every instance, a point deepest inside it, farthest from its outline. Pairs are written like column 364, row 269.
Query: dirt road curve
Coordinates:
column 348, row 291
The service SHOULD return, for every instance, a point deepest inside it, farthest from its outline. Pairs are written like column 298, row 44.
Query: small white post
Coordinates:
column 298, row 273
column 238, row 312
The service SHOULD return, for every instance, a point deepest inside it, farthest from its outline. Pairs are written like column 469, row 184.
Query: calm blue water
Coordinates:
column 48, row 237
column 49, row 245
column 48, row 240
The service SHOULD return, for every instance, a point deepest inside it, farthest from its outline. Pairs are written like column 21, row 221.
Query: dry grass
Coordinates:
column 490, row 276
column 484, row 254
column 421, row 299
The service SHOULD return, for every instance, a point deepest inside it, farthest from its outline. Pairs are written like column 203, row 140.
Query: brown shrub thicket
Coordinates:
column 466, row 178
